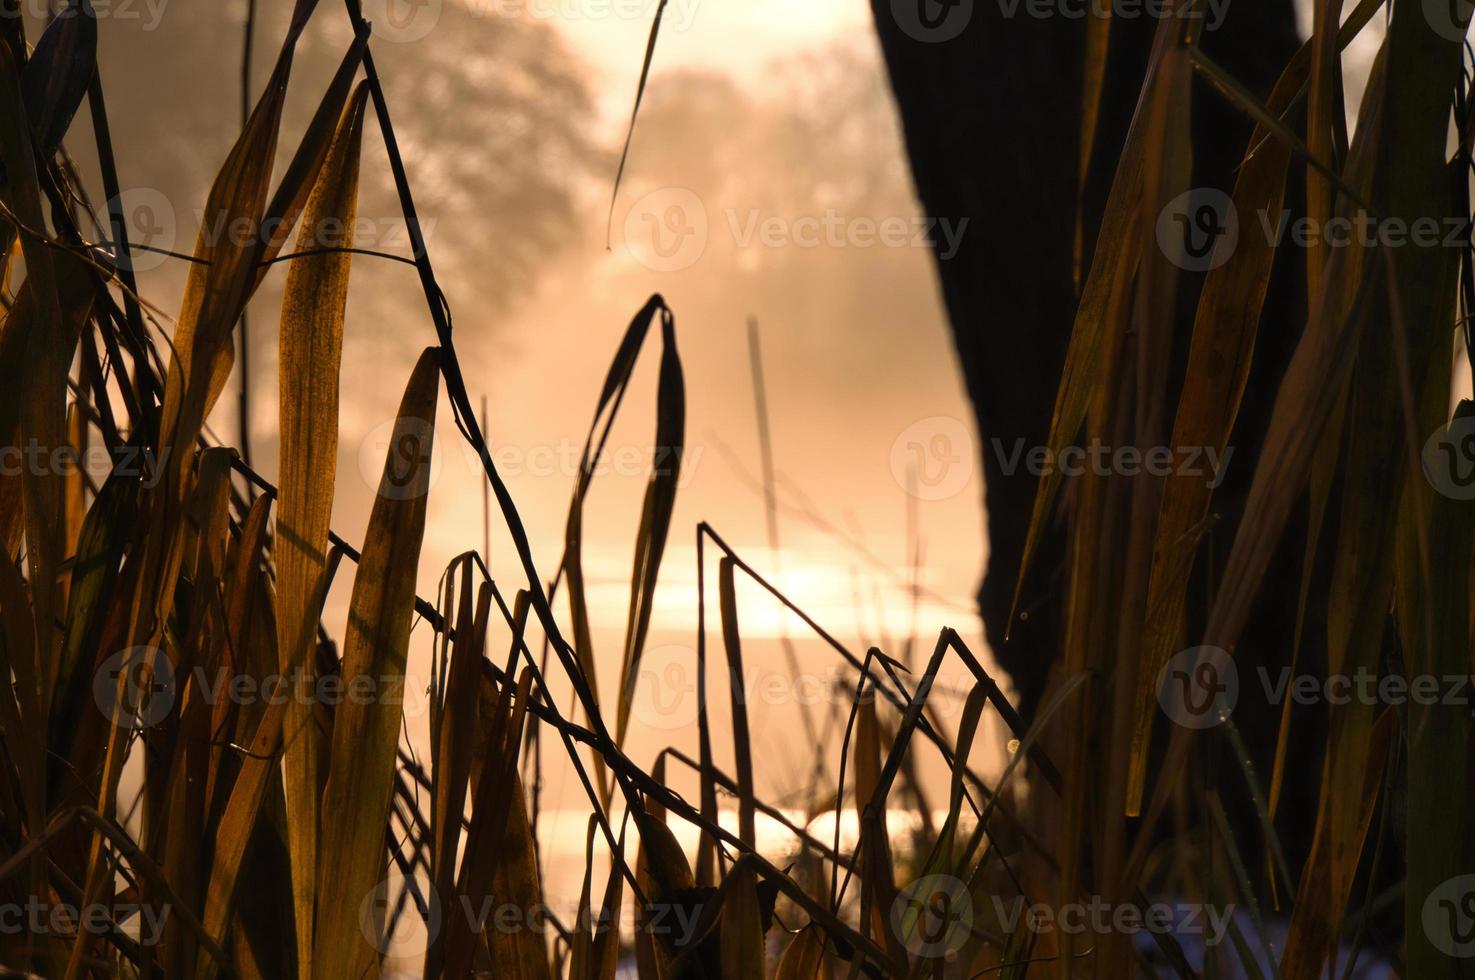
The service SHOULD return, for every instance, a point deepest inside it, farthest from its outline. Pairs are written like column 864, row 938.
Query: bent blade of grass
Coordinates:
column 486, row 837
column 216, row 290
column 231, row 837
column 519, row 954
column 302, row 173
column 1316, row 919
column 660, row 495
column 940, row 860
column 40, row 398
column 233, row 660
column 39, row 403
column 581, row 956
column 655, row 516
column 878, row 890
column 99, row 553
column 742, row 745
column 652, row 960
column 804, row 959
column 217, row 286
column 1424, row 66
column 182, row 783
column 1411, row 175
column 57, row 74
column 362, row 758
column 1325, row 81
column 608, row 406
column 1438, row 736
column 606, row 959
column 1101, row 315
column 21, row 703
column 1311, row 389
column 741, row 946
column 1093, row 87
column 1224, row 333
column 453, row 749
column 650, row 54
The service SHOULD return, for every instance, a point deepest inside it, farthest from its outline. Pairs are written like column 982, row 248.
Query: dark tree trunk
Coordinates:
column 991, row 109
column 991, row 118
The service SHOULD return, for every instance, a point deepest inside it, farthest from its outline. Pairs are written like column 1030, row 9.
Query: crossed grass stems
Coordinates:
column 639, row 787
column 644, row 792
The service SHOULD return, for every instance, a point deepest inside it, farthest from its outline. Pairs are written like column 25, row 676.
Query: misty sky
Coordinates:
column 766, row 179
column 778, row 125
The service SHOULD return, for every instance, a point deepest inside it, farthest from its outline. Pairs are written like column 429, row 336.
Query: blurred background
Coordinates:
column 767, row 128
column 765, row 184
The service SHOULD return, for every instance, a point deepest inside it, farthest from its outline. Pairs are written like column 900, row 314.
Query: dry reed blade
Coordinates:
column 310, row 354
column 1224, row 333
column 362, row 757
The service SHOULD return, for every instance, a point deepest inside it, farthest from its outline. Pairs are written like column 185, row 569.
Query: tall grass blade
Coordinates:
column 310, row 354
column 361, row 770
